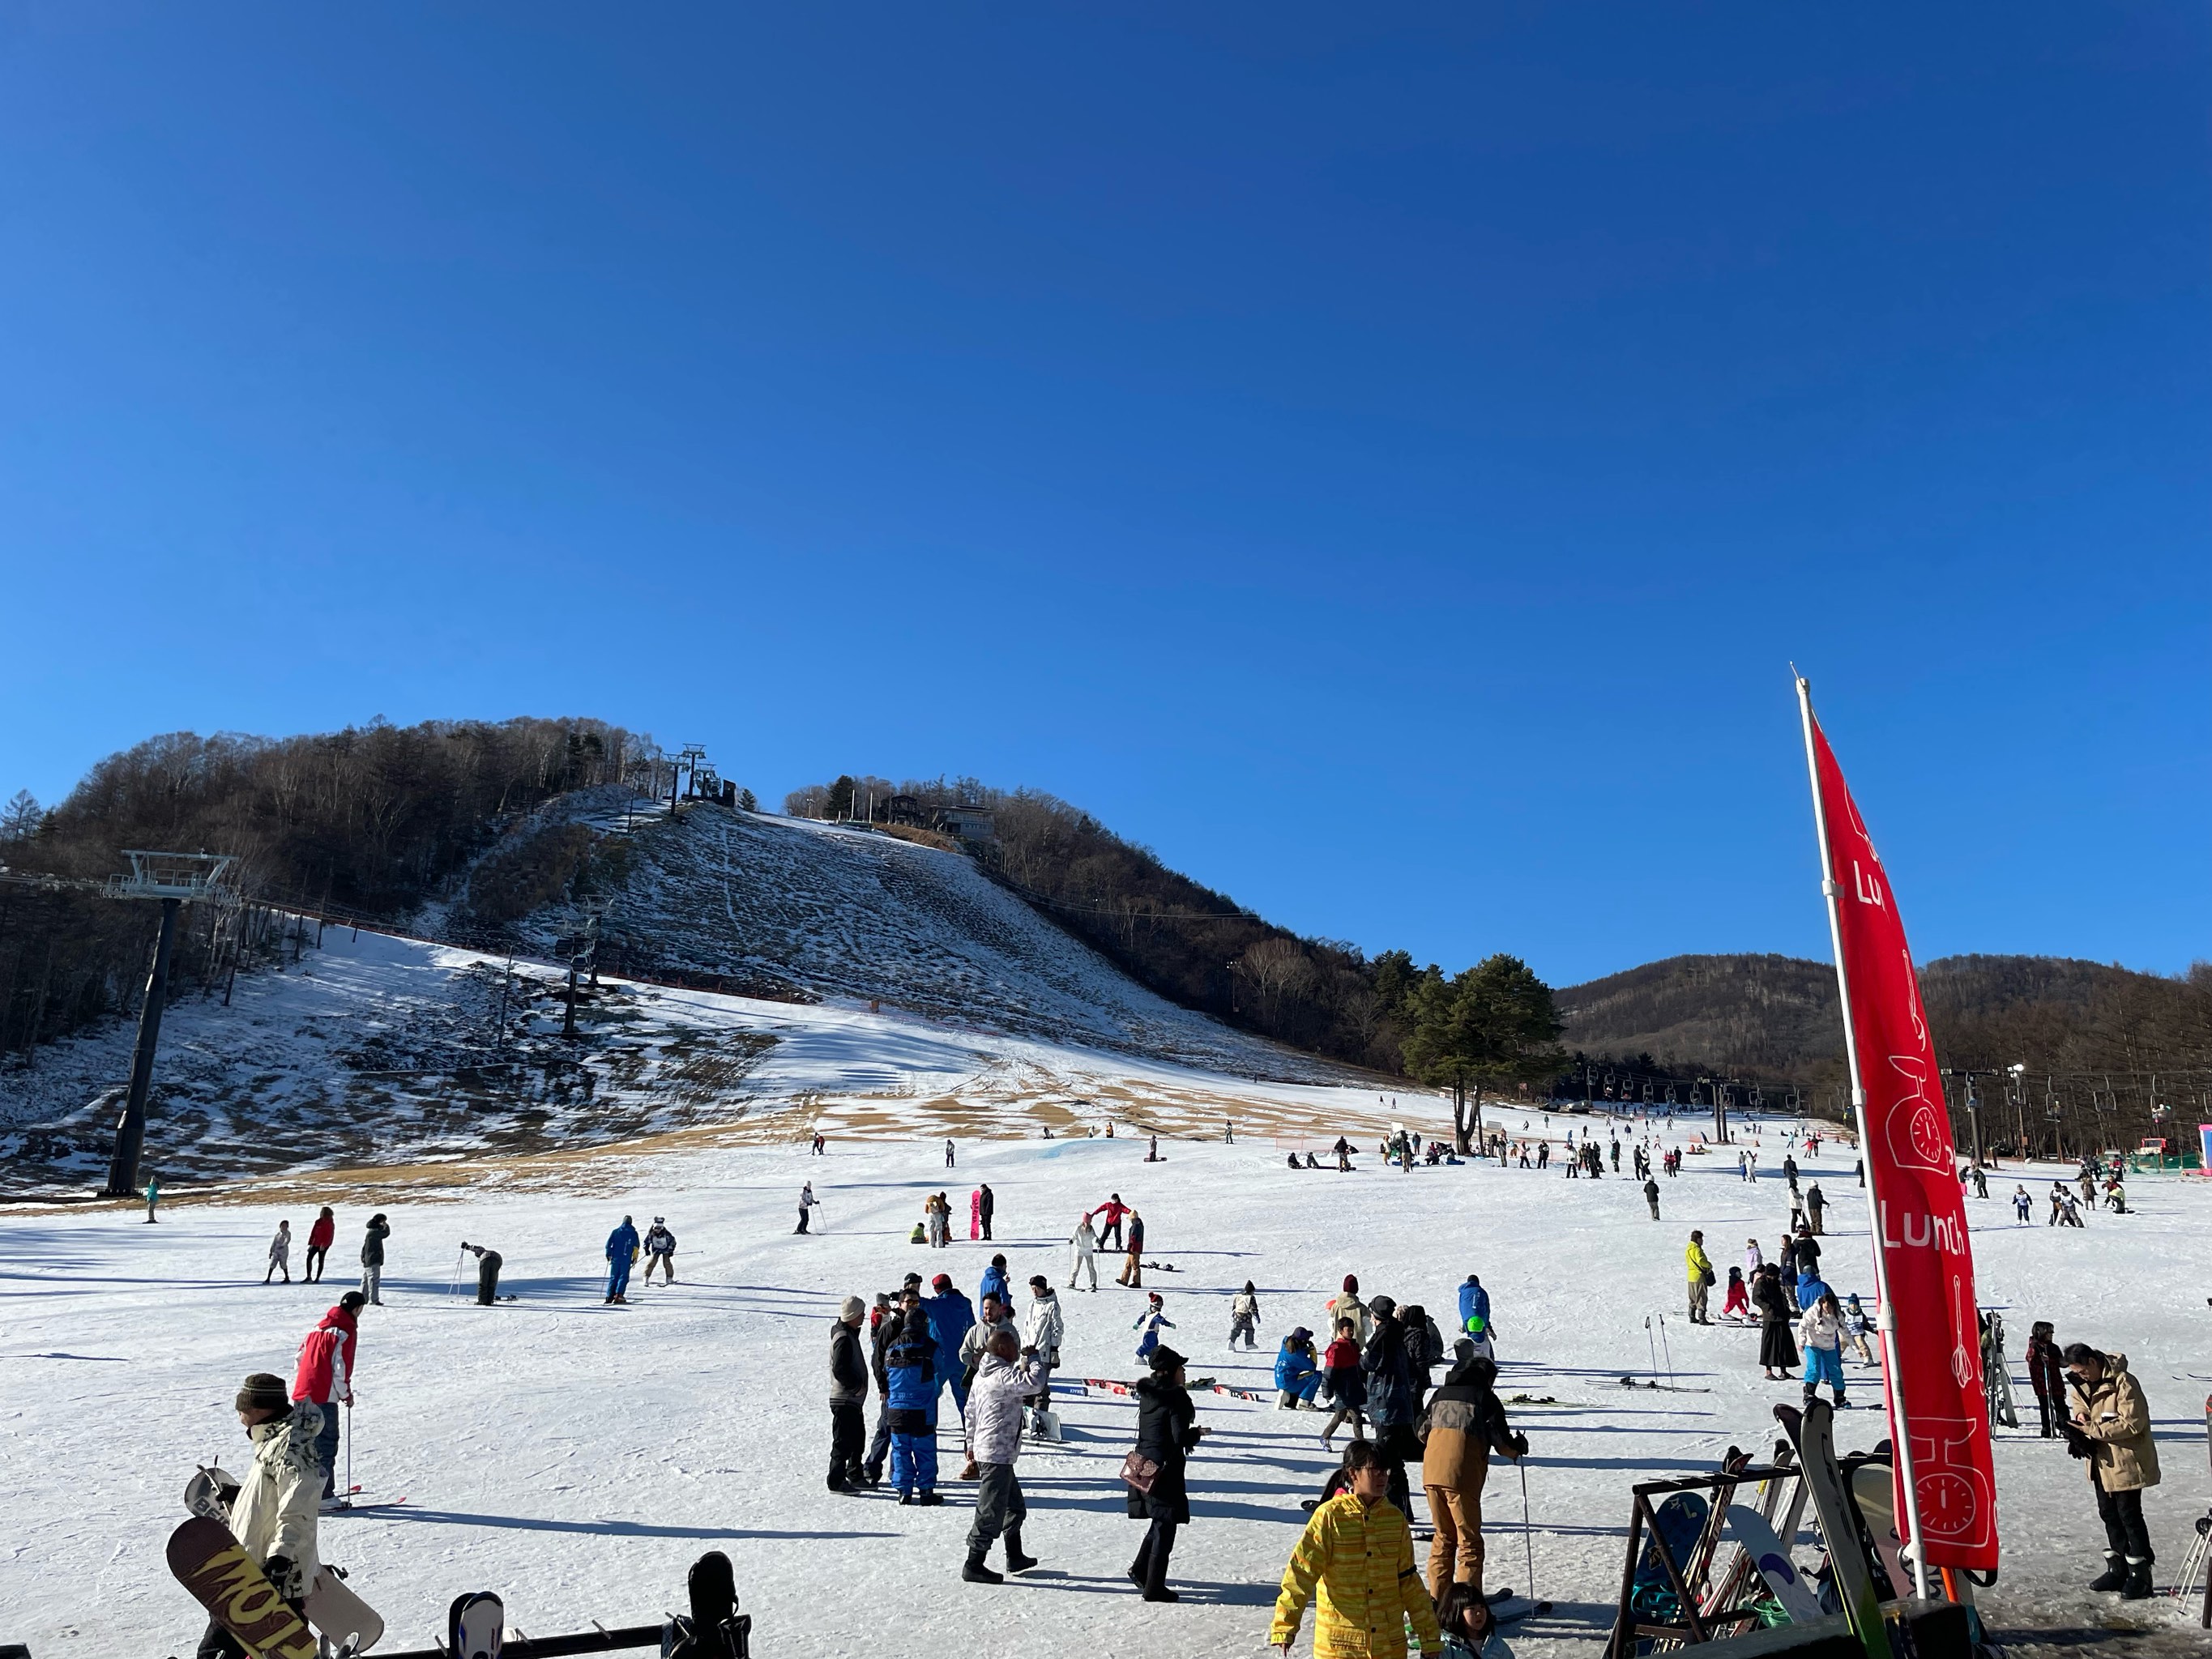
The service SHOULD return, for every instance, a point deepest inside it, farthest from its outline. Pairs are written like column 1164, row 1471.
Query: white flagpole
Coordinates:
column 1886, row 1320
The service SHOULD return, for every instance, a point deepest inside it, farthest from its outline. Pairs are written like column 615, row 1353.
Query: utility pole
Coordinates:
column 1973, row 1103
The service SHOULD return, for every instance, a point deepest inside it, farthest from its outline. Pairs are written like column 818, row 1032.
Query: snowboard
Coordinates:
column 351, row 1623
column 1813, row 1433
column 208, row 1493
column 1874, row 1492
column 1733, row 1464
column 715, row 1630
column 1676, row 1526
column 238, row 1595
column 1750, row 1529
column 475, row 1623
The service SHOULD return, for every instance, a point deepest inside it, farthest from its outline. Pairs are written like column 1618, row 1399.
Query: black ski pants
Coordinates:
column 2052, row 1416
column 2124, row 1532
column 1149, row 1569
column 315, row 1260
column 220, row 1643
column 848, row 1429
column 880, row 1444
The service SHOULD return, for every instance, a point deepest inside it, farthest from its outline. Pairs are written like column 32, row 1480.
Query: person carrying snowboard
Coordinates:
column 622, row 1254
column 992, row 1429
column 371, row 1258
column 280, row 1252
column 1082, row 1253
column 321, row 1236
column 324, row 1379
column 1244, row 1317
column 661, row 1250
column 271, row 1512
column 1355, row 1559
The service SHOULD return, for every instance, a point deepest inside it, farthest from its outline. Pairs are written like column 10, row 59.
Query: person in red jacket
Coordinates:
column 1110, row 1235
column 325, row 1377
column 319, row 1242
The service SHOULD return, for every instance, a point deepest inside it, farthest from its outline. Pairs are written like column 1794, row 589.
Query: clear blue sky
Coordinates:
column 1387, row 467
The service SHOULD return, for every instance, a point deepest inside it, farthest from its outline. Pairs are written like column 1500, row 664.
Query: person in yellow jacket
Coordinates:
column 1358, row 1551
column 1701, row 1277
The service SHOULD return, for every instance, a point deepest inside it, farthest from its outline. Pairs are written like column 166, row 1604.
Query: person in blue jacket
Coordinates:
column 910, row 1403
column 1472, row 1300
column 951, row 1318
column 994, row 1282
column 1296, row 1373
column 622, row 1252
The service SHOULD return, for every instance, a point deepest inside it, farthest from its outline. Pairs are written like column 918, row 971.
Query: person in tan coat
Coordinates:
column 1466, row 1423
column 1349, row 1306
column 2110, row 1430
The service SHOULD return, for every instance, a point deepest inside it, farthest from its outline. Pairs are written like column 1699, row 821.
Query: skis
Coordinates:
column 1662, row 1388
column 349, row 1504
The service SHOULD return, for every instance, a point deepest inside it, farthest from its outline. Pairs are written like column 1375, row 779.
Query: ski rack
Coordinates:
column 1628, row 1629
column 551, row 1647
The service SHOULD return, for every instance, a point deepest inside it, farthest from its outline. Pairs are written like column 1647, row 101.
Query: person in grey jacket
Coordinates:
column 993, row 1433
column 848, row 1395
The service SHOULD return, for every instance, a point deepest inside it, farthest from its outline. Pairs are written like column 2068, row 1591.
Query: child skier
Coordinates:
column 1855, row 1328
column 1244, row 1317
column 1150, row 1323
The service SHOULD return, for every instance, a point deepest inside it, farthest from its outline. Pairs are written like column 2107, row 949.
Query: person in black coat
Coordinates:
column 848, row 1395
column 1777, row 1347
column 1167, row 1433
column 1392, row 1406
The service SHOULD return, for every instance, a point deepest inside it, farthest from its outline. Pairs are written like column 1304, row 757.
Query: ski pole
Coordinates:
column 1650, row 1343
column 1667, row 1348
column 1528, row 1536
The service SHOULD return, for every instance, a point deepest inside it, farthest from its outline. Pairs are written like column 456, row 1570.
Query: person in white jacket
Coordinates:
column 1084, row 1245
column 992, row 1426
column 1042, row 1328
column 280, row 1253
column 272, row 1512
column 1821, row 1333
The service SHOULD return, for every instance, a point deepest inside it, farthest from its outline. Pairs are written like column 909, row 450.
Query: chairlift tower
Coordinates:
column 177, row 880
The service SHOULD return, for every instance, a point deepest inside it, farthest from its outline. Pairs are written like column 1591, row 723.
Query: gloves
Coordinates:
column 281, row 1573
column 1520, row 1446
column 2079, row 1445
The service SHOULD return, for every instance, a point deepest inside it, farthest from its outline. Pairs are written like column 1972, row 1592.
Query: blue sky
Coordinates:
column 1386, row 464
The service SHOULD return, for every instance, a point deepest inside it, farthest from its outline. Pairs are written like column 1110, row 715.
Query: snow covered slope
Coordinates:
column 376, row 1050
column 944, row 1001
column 848, row 912
column 576, row 1457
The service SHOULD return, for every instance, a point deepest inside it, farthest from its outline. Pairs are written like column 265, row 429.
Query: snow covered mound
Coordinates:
column 576, row 1457
column 375, row 1050
column 847, row 912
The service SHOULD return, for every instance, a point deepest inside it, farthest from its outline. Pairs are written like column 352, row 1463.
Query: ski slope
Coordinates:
column 941, row 1002
column 575, row 1457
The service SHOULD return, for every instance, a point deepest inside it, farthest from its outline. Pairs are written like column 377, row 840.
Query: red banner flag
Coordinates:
column 1925, row 1264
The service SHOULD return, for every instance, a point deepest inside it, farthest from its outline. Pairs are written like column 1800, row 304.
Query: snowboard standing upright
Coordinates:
column 476, row 1622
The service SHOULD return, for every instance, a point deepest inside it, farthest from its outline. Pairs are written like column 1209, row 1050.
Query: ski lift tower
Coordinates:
column 177, row 880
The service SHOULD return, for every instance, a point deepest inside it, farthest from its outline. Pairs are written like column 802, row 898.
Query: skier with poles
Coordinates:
column 807, row 1202
column 660, row 1250
column 1083, row 1248
column 324, row 1379
column 1466, row 1423
column 622, row 1254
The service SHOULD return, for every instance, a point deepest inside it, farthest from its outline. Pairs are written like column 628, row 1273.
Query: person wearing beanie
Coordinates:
column 372, row 1258
column 848, row 1394
column 1390, row 1403
column 952, row 1316
column 1167, row 1433
column 991, row 1426
column 324, row 1378
column 1244, row 1317
column 271, row 1512
column 1152, row 1323
column 1349, row 1306
column 621, row 1256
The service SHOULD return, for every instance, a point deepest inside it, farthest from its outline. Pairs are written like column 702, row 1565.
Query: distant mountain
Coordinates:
column 2101, row 1044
